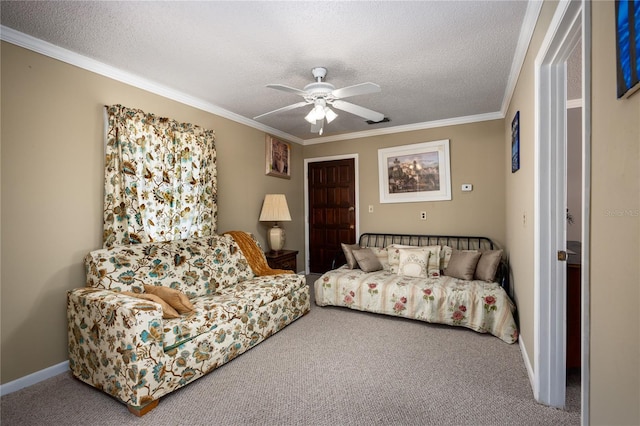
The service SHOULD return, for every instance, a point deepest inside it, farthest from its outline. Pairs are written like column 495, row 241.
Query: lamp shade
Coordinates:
column 275, row 209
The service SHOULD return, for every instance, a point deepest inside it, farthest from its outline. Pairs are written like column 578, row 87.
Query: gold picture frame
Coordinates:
column 278, row 158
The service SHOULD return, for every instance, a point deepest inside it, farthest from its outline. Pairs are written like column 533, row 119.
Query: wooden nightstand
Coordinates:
column 283, row 259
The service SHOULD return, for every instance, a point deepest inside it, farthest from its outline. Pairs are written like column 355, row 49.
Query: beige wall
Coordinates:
column 52, row 171
column 476, row 157
column 615, row 236
column 520, row 187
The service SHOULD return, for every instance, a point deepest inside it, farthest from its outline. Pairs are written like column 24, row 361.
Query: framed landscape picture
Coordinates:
column 278, row 158
column 412, row 173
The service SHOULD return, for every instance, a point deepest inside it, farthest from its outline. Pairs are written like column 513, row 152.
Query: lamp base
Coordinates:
column 276, row 238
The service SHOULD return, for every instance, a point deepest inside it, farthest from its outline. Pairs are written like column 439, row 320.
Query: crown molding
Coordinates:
column 526, row 33
column 47, row 49
column 409, row 127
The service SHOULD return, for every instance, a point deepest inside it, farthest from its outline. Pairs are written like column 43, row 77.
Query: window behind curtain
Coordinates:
column 160, row 179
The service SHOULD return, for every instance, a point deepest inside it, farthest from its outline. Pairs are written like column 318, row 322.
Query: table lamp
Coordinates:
column 275, row 209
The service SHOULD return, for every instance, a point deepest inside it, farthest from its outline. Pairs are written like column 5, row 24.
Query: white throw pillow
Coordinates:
column 433, row 269
column 413, row 263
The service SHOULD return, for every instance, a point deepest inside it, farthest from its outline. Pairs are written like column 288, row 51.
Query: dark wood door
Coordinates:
column 332, row 212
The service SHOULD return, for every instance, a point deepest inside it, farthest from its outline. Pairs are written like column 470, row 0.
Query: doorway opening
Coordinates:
column 570, row 25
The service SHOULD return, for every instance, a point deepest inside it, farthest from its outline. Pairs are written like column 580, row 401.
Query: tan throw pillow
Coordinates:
column 462, row 265
column 177, row 299
column 382, row 255
column 367, row 260
column 413, row 263
column 167, row 311
column 488, row 265
column 347, row 250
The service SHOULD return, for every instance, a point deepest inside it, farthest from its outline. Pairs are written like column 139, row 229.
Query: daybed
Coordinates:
column 438, row 279
column 138, row 350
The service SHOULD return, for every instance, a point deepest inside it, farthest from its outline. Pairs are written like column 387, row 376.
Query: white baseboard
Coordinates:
column 34, row 378
column 527, row 364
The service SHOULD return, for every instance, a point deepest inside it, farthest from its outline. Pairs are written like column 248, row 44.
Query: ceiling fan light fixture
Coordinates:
column 329, row 114
column 311, row 117
column 317, row 113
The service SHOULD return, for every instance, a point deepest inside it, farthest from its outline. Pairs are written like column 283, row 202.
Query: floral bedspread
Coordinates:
column 478, row 305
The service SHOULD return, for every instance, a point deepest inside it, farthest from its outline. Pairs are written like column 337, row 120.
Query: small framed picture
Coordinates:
column 515, row 143
column 278, row 158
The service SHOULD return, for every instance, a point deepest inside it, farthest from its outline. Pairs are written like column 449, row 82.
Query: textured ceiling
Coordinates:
column 433, row 60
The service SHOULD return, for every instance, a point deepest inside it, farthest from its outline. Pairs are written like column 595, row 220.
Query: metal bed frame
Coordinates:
column 374, row 239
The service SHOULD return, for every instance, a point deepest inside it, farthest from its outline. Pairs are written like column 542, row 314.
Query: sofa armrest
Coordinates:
column 114, row 341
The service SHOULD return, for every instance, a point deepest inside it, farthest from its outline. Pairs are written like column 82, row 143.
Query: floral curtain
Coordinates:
column 160, row 179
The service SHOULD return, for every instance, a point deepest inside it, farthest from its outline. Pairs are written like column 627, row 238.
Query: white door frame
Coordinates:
column 570, row 24
column 306, row 198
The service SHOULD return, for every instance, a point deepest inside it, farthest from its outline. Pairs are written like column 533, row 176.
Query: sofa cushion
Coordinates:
column 229, row 303
column 195, row 266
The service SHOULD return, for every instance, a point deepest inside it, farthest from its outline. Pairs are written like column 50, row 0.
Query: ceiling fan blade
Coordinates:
column 358, row 110
column 287, row 108
column 358, row 89
column 287, row 89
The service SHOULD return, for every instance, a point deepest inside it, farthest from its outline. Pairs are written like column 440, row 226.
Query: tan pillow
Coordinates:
column 347, row 249
column 462, row 264
column 367, row 260
column 167, row 311
column 177, row 299
column 488, row 265
column 382, row 255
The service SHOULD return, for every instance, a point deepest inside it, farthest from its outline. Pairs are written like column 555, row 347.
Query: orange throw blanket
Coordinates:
column 254, row 255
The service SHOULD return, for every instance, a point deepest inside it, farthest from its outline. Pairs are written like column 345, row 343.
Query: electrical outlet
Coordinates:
column 466, row 187
column 423, row 215
column 370, row 208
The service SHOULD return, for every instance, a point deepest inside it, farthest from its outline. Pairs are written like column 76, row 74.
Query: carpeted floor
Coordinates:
column 333, row 367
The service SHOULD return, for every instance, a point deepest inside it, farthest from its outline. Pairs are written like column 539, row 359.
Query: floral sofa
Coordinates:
column 133, row 350
column 436, row 279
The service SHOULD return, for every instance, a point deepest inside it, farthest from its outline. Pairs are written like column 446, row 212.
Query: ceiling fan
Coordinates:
column 321, row 94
